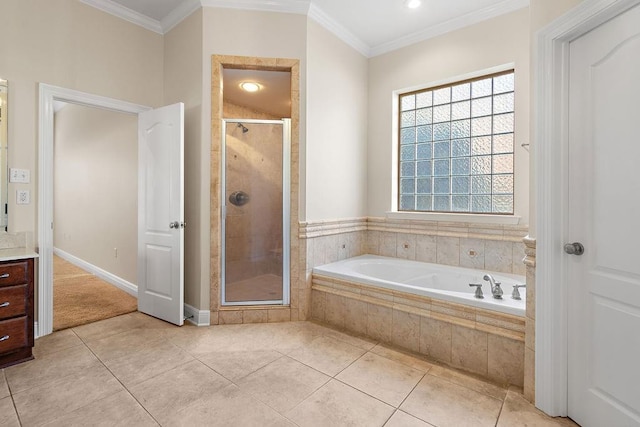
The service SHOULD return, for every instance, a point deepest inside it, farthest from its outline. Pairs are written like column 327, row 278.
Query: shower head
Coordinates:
column 244, row 128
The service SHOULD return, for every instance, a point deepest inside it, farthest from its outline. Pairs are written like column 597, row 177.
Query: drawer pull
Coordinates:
column 4, row 338
column 4, row 276
column 4, row 304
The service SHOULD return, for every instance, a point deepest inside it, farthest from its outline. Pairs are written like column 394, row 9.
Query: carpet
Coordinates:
column 80, row 297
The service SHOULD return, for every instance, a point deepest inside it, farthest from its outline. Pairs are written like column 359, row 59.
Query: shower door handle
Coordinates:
column 239, row 198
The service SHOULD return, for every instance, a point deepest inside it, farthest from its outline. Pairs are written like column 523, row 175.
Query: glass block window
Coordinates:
column 456, row 147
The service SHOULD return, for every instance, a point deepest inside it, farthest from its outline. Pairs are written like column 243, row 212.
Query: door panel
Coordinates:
column 604, row 207
column 161, row 213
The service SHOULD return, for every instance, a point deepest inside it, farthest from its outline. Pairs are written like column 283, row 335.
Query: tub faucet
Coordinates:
column 496, row 290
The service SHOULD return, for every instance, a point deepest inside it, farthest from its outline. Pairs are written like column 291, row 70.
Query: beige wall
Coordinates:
column 542, row 13
column 491, row 43
column 337, row 75
column 66, row 43
column 183, row 83
column 95, row 188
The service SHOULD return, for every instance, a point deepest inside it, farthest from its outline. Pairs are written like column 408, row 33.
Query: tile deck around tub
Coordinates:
column 267, row 374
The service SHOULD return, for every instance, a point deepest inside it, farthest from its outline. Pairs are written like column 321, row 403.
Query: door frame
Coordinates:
column 551, row 157
column 47, row 95
column 286, row 214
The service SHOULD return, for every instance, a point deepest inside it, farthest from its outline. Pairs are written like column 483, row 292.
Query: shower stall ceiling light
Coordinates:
column 250, row 86
column 412, row 4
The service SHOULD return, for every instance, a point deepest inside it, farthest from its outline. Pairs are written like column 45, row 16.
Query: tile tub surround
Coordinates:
column 530, row 341
column 484, row 342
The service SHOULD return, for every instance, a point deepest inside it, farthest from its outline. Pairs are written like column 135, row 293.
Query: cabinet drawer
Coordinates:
column 13, row 334
column 13, row 301
column 14, row 273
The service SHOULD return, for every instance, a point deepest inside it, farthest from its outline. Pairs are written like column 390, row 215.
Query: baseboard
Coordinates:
column 116, row 281
column 197, row 317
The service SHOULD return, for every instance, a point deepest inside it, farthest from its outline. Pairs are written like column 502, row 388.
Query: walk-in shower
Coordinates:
column 255, row 211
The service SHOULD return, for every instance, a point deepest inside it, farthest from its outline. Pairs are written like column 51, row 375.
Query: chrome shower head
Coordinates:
column 244, row 128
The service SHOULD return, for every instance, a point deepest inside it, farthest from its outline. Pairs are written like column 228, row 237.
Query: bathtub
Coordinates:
column 434, row 281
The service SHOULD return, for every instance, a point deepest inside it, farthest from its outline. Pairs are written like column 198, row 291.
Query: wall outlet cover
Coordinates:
column 22, row 176
column 22, row 197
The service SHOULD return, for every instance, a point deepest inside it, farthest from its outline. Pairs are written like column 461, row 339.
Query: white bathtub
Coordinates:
column 429, row 280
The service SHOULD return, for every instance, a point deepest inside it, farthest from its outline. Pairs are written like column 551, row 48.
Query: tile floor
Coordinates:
column 134, row 370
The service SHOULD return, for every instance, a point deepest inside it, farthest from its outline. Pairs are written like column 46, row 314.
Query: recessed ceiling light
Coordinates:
column 250, row 86
column 412, row 4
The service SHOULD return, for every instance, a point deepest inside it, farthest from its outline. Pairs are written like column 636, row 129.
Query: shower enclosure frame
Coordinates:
column 286, row 212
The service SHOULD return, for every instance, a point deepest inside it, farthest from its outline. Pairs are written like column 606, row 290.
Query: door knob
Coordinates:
column 174, row 224
column 575, row 248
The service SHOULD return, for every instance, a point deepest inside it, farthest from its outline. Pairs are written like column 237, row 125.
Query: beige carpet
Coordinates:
column 80, row 297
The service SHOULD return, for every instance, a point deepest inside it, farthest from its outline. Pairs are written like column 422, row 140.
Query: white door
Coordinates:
column 161, row 213
column 604, row 215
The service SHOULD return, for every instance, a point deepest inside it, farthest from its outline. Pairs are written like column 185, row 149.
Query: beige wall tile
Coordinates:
column 472, row 253
column 405, row 330
column 406, row 246
column 469, row 349
column 498, row 256
column 318, row 304
column 426, row 248
column 372, row 244
column 355, row 316
column 505, row 360
column 448, row 250
column 531, row 292
column 230, row 317
column 254, row 316
column 304, row 310
column 530, row 334
column 388, row 244
column 518, row 266
column 279, row 315
column 529, row 375
column 334, row 310
column 435, row 339
column 379, row 322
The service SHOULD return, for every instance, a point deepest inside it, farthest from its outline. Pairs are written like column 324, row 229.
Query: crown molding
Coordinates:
column 338, row 30
column 300, row 7
column 493, row 11
column 125, row 13
column 179, row 14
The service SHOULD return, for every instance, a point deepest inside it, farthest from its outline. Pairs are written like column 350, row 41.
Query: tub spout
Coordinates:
column 496, row 290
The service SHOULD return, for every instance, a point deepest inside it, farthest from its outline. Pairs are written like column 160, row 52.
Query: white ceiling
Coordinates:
column 372, row 27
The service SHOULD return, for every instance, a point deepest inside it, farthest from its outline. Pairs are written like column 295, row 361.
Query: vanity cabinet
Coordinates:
column 16, row 311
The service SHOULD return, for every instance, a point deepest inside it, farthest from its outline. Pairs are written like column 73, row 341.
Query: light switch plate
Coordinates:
column 22, row 176
column 23, row 197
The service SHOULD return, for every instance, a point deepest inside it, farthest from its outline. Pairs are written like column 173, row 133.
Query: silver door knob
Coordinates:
column 575, row 248
column 174, row 224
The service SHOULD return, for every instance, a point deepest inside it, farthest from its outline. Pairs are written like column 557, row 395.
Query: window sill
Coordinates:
column 456, row 217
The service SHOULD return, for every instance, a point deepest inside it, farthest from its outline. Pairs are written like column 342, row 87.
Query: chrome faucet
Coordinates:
column 496, row 290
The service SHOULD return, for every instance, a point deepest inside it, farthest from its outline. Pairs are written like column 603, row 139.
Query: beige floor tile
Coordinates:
column 126, row 343
column 382, row 378
column 50, row 367
column 327, row 355
column 141, row 365
column 234, row 365
column 55, row 399
column 119, row 409
column 4, row 387
column 441, row 403
column 518, row 412
column 469, row 381
column 229, row 406
column 402, row 419
column 8, row 415
column 405, row 358
column 173, row 390
column 283, row 383
column 108, row 327
column 56, row 341
column 337, row 404
column 356, row 341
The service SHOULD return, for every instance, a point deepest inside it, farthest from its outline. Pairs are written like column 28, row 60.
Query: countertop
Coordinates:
column 12, row 254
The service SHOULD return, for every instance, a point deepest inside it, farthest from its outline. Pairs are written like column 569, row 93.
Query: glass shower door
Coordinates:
column 255, row 255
